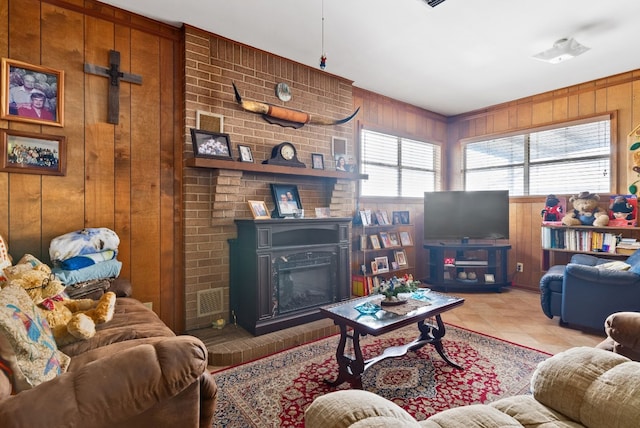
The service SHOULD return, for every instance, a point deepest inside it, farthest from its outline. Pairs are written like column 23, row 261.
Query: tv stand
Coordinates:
column 487, row 261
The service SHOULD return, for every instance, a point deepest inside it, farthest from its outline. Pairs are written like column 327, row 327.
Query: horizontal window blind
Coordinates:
column 398, row 166
column 567, row 159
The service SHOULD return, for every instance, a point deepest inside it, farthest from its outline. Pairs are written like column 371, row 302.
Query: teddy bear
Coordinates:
column 585, row 211
column 552, row 209
column 70, row 320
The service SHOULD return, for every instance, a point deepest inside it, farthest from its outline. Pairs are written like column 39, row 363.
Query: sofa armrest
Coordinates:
column 110, row 390
column 593, row 387
column 590, row 295
column 624, row 329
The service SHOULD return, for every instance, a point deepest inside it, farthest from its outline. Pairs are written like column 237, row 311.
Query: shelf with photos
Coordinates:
column 383, row 248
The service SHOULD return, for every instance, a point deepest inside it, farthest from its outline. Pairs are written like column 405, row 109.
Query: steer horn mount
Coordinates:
column 287, row 117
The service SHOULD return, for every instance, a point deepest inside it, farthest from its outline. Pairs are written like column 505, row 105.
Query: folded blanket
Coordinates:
column 79, row 262
column 106, row 269
column 81, row 242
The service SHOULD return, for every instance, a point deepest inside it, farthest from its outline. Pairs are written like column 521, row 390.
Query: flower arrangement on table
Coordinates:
column 394, row 286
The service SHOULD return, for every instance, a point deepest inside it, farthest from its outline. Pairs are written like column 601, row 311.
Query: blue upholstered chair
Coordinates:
column 586, row 291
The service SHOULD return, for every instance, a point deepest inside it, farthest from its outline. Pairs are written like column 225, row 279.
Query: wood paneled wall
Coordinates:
column 122, row 176
column 383, row 114
column 617, row 95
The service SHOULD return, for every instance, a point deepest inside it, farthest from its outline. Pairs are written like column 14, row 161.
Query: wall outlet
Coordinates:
column 519, row 267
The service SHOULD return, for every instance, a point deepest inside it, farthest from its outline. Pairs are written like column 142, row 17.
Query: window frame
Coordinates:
column 439, row 171
column 524, row 132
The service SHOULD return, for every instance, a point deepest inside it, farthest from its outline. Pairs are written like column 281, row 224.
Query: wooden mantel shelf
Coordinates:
column 271, row 169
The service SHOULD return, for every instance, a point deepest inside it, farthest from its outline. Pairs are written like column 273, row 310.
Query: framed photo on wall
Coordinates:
column 211, row 122
column 32, row 153
column 210, row 144
column 32, row 93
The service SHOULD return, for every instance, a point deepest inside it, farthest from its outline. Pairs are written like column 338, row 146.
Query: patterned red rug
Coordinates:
column 274, row 391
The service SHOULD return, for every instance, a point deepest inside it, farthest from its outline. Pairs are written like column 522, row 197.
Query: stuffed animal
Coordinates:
column 552, row 209
column 585, row 211
column 621, row 208
column 70, row 320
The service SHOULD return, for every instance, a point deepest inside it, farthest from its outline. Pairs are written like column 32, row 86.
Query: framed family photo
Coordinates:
column 287, row 199
column 208, row 144
column 32, row 93
column 32, row 153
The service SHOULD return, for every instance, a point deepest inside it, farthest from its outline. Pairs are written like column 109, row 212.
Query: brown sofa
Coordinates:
column 135, row 372
column 580, row 387
column 623, row 334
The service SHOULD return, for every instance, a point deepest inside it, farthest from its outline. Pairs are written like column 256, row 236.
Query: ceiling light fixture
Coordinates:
column 562, row 50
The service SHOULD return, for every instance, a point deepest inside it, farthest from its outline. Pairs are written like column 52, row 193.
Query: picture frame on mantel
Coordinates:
column 32, row 93
column 212, row 145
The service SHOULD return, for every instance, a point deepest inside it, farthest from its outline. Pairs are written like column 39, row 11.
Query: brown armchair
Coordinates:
column 623, row 334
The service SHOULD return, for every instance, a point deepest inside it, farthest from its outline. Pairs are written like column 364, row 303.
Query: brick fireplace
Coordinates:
column 214, row 197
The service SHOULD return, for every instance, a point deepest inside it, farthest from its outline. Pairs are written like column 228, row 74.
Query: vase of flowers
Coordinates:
column 394, row 286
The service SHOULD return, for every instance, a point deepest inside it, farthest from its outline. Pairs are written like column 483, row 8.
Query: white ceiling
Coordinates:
column 459, row 56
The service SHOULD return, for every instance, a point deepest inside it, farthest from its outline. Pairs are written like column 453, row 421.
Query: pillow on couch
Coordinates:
column 615, row 265
column 28, row 351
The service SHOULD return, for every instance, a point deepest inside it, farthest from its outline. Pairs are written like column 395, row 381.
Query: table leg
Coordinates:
column 349, row 369
column 433, row 335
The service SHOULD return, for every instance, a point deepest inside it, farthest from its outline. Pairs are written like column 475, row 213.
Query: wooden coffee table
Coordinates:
column 354, row 324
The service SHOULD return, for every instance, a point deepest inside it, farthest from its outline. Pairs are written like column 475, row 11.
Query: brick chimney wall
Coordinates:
column 213, row 198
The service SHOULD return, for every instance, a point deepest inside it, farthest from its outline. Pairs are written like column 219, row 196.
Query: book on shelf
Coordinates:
column 583, row 240
column 362, row 285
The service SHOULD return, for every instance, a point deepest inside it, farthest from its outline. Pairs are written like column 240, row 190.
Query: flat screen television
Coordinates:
column 464, row 215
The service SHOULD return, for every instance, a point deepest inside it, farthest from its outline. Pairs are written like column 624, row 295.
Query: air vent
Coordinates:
column 209, row 301
column 433, row 3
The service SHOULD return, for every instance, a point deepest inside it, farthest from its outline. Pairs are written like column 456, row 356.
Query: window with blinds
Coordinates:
column 398, row 166
column 563, row 160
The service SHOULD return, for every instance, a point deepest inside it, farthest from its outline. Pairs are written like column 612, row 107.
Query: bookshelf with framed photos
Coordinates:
column 383, row 247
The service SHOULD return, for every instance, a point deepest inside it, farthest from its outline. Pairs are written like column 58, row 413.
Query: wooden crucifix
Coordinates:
column 115, row 75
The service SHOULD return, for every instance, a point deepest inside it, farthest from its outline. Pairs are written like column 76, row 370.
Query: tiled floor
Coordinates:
column 513, row 315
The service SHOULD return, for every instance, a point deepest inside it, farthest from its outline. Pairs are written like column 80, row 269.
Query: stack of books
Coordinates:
column 627, row 246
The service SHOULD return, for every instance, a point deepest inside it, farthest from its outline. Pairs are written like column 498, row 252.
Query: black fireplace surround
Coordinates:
column 283, row 270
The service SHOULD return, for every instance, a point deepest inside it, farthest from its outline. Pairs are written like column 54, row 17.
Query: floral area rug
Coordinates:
column 274, row 391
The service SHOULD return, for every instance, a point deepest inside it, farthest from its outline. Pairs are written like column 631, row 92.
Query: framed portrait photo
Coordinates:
column 317, row 161
column 286, row 199
column 32, row 153
column 208, row 144
column 259, row 210
column 401, row 258
column 405, row 239
column 375, row 242
column 245, row 153
column 32, row 93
